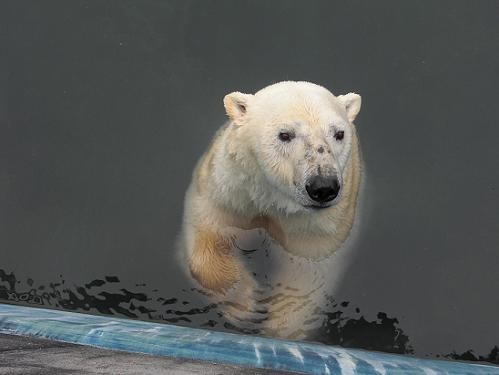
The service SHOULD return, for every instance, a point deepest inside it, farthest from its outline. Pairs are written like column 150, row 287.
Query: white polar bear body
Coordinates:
column 257, row 173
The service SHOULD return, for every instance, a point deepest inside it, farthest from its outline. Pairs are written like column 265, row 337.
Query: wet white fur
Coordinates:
column 254, row 173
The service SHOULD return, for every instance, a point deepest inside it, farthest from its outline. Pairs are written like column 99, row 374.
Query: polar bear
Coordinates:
column 286, row 164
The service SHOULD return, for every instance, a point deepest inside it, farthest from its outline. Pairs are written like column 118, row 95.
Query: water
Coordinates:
column 245, row 350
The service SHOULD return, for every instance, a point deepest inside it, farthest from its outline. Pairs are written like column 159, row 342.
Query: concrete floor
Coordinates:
column 28, row 356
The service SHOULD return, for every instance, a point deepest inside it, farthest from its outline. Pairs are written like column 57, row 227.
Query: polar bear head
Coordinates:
column 301, row 138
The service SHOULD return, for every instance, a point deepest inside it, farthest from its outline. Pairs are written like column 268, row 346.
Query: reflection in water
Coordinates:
column 469, row 355
column 106, row 297
column 381, row 334
column 337, row 325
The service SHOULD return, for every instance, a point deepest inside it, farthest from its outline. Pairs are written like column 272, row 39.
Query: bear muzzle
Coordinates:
column 322, row 189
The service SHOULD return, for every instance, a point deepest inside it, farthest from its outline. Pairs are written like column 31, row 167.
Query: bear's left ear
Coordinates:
column 351, row 102
column 236, row 105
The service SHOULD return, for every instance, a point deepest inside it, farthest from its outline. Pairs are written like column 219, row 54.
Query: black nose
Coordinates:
column 323, row 189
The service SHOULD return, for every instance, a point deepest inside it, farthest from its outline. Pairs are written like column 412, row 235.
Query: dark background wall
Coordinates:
column 106, row 106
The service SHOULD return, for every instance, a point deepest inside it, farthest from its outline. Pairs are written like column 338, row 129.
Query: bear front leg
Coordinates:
column 215, row 265
column 212, row 263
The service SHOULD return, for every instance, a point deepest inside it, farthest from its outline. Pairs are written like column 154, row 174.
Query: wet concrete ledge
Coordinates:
column 31, row 355
column 177, row 344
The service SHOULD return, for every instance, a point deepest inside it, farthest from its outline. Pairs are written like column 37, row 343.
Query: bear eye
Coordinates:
column 339, row 135
column 286, row 136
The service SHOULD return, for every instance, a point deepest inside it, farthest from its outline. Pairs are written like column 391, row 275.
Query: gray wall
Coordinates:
column 105, row 108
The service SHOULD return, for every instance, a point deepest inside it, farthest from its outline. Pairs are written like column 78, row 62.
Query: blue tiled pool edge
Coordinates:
column 221, row 347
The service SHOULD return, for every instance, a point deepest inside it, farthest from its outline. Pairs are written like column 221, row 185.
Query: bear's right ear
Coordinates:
column 236, row 106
